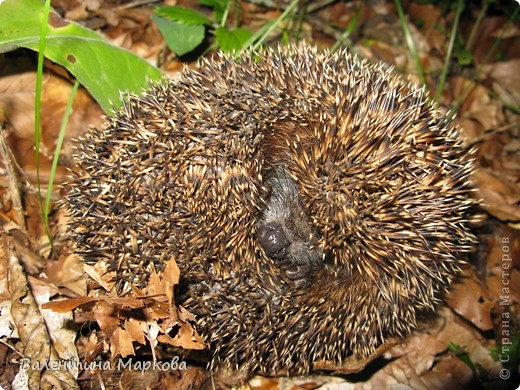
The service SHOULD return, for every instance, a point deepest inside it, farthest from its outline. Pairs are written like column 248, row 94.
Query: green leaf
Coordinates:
column 464, row 57
column 179, row 37
column 219, row 6
column 184, row 15
column 231, row 40
column 105, row 70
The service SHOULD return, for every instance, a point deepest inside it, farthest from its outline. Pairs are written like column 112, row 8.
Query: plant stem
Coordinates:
column 38, row 97
column 474, row 30
column 444, row 74
column 56, row 157
column 351, row 26
column 409, row 41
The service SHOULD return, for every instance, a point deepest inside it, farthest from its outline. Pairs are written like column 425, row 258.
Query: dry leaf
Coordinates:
column 65, row 305
column 186, row 338
column 101, row 275
column 17, row 95
column 121, row 343
column 136, row 330
column 477, row 104
column 33, row 334
column 68, row 272
column 471, row 300
column 155, row 285
column 474, row 343
column 354, row 364
column 506, row 76
column 501, row 198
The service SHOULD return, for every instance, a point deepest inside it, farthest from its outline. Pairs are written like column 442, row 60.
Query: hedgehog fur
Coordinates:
column 315, row 203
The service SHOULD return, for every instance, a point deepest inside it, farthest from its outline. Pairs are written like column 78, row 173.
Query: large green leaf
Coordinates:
column 104, row 69
column 180, row 38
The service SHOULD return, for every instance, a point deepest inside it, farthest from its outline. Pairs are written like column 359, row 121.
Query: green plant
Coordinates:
column 102, row 68
column 459, row 351
column 185, row 29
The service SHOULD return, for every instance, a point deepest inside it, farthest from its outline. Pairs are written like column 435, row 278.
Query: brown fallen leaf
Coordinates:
column 457, row 331
column 65, row 305
column 17, row 96
column 170, row 277
column 477, row 103
column 501, row 198
column 354, row 364
column 67, row 273
column 32, row 331
column 469, row 298
column 121, row 343
column 506, row 77
column 187, row 337
column 136, row 330
column 101, row 275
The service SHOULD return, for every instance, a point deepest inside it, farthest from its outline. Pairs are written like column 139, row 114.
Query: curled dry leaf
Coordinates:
column 101, row 275
column 506, row 80
column 477, row 104
column 33, row 334
column 67, row 272
column 354, row 364
column 186, row 337
column 170, row 277
column 415, row 370
column 65, row 305
column 501, row 197
column 136, row 330
column 106, row 316
column 121, row 343
column 471, row 300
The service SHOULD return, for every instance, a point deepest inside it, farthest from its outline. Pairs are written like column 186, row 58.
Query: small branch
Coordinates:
column 14, row 190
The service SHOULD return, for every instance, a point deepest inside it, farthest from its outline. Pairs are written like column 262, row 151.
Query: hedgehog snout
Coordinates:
column 273, row 240
column 284, row 230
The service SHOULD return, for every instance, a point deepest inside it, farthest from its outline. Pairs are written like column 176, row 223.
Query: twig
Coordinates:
column 16, row 198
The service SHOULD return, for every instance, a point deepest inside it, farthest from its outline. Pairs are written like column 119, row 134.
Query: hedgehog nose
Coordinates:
column 273, row 239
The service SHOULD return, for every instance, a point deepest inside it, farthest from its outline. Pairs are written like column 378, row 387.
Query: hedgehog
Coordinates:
column 316, row 204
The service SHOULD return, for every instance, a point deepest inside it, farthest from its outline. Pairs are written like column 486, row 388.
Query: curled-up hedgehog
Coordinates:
column 315, row 203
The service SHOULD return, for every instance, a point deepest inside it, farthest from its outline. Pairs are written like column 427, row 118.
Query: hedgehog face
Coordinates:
column 284, row 230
